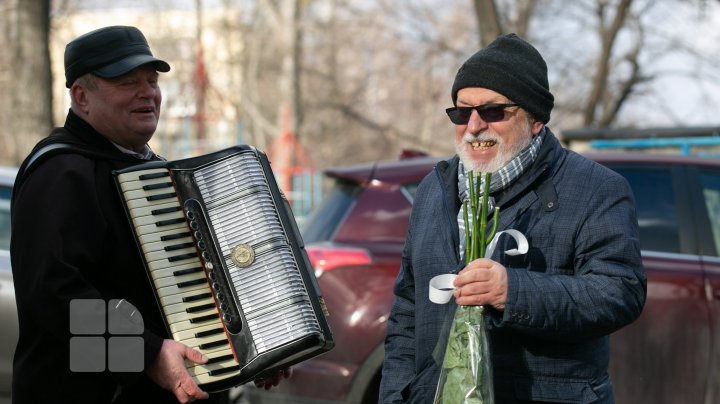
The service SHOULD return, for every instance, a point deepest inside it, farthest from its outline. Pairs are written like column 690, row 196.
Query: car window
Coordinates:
column 325, row 218
column 409, row 190
column 656, row 207
column 711, row 196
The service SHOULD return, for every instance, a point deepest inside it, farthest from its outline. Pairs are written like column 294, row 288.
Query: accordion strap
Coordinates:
column 53, row 149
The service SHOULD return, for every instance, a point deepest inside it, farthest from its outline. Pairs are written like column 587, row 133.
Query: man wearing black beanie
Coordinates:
column 549, row 311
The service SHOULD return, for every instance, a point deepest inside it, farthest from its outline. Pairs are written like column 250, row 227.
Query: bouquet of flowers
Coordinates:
column 466, row 375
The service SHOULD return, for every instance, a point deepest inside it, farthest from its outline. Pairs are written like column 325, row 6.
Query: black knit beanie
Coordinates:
column 513, row 68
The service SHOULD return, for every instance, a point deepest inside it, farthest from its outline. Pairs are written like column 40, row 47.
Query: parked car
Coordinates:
column 8, row 312
column 670, row 354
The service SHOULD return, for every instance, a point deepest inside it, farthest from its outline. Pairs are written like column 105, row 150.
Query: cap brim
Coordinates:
column 129, row 63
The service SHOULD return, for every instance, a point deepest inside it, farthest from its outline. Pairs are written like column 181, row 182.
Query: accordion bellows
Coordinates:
column 227, row 263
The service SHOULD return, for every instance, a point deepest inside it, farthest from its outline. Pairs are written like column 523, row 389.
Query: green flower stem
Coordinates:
column 467, row 231
column 483, row 216
column 477, row 238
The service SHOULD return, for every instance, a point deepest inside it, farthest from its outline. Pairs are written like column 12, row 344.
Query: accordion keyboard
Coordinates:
column 177, row 272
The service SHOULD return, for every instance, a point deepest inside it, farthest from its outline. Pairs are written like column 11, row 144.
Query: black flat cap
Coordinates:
column 108, row 52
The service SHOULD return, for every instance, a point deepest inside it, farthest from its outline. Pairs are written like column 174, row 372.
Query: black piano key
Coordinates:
column 165, row 210
column 187, row 271
column 202, row 307
column 159, row 185
column 191, row 283
column 161, row 196
column 208, row 333
column 170, row 221
column 154, row 175
column 202, row 319
column 213, row 344
column 180, row 246
column 221, row 358
column 193, row 298
column 182, row 257
column 224, row 370
column 175, row 236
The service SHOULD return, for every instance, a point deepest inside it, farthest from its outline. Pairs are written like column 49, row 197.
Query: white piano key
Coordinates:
column 182, row 325
column 173, row 298
column 189, row 334
column 173, row 290
column 151, row 228
column 215, row 343
column 145, row 193
column 205, row 378
column 135, row 175
column 163, row 255
column 183, row 315
column 147, row 211
column 214, row 357
column 161, row 245
column 154, row 219
column 170, row 271
column 130, row 186
column 153, row 237
column 165, row 263
column 143, row 202
column 176, row 308
column 177, row 280
column 201, row 372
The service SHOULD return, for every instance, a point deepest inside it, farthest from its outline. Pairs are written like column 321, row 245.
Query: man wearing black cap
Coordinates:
column 549, row 312
column 76, row 269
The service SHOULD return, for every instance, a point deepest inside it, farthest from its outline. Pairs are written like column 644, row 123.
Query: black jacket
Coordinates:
column 71, row 240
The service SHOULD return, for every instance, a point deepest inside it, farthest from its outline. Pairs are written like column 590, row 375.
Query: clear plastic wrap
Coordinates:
column 466, row 375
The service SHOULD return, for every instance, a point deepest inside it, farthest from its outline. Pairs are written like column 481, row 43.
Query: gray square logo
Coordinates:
column 125, row 354
column 123, row 318
column 87, row 316
column 87, row 354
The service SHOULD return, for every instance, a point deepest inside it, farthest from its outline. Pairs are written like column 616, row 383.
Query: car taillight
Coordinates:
column 325, row 259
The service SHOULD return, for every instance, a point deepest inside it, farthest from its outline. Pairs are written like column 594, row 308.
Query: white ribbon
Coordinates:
column 441, row 286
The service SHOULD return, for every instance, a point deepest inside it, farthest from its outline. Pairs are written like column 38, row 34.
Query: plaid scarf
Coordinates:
column 500, row 180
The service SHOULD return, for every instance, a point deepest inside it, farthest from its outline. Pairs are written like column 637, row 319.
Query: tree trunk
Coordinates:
column 31, row 86
column 488, row 20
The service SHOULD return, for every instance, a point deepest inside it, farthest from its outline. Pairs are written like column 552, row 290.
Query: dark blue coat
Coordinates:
column 581, row 280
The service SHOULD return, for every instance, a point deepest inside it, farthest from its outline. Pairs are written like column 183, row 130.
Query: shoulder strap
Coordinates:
column 53, row 149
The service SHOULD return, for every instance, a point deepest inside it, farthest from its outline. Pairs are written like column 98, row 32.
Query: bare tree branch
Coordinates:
column 607, row 38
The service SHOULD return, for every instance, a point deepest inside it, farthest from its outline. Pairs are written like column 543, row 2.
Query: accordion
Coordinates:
column 227, row 264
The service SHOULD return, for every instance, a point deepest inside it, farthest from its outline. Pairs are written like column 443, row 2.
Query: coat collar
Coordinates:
column 86, row 134
column 540, row 170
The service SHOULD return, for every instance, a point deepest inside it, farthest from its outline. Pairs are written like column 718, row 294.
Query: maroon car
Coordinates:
column 671, row 354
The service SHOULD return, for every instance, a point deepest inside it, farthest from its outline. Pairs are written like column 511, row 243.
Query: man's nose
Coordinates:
column 148, row 89
column 476, row 124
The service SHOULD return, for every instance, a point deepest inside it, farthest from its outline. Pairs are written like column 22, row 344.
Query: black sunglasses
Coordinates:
column 488, row 113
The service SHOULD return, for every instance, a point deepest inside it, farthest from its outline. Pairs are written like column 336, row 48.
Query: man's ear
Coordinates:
column 79, row 96
column 536, row 127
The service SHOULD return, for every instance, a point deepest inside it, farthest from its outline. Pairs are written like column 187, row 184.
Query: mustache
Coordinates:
column 481, row 137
